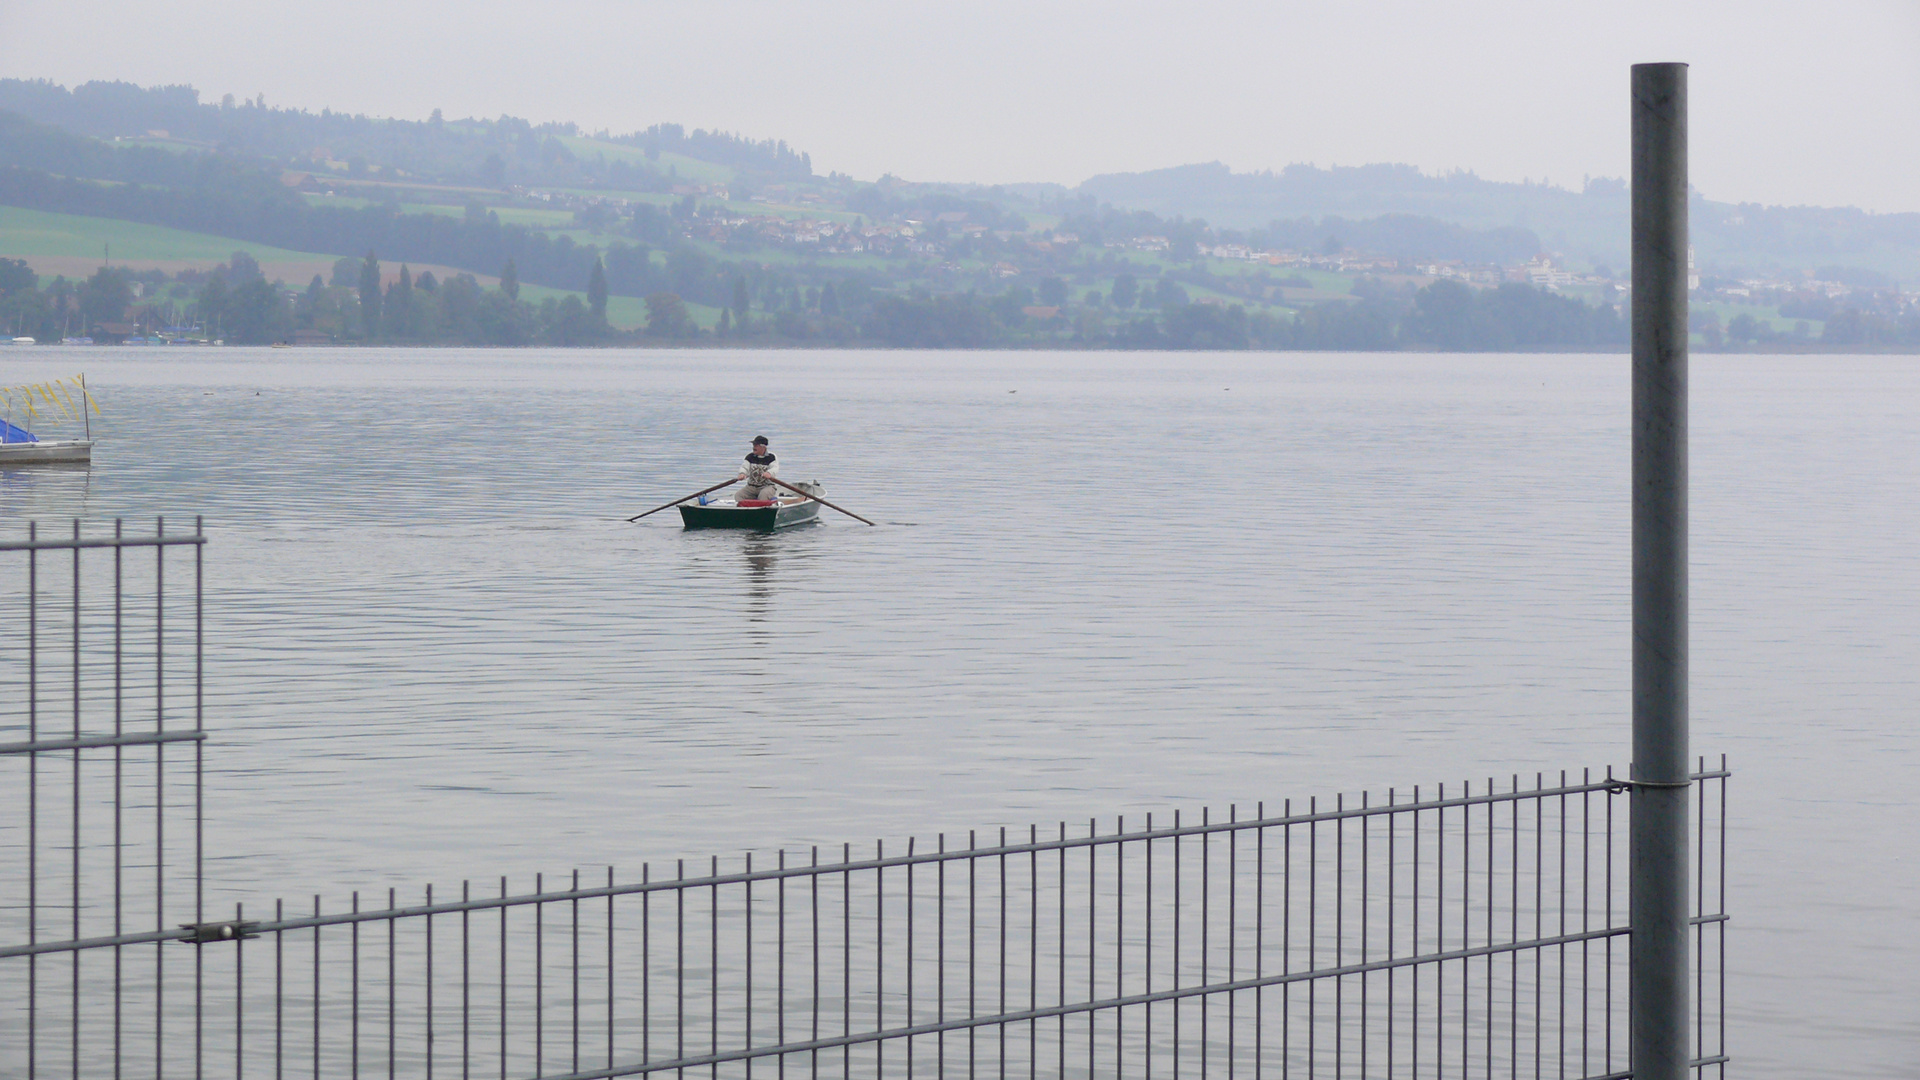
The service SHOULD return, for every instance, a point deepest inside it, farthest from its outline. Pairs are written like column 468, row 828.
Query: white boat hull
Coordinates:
column 46, row 450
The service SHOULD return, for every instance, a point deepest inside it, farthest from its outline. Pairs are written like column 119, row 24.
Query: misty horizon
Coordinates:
column 573, row 127
column 1792, row 106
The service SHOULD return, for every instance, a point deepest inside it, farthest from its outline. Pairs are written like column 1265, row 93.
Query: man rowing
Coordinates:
column 761, row 464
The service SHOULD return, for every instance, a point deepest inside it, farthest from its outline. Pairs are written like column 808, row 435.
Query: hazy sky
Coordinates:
column 1792, row 102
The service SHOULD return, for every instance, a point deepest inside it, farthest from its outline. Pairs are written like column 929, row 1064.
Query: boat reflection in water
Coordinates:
column 48, row 491
column 762, row 552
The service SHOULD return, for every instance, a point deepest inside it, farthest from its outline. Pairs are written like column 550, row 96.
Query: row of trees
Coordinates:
column 360, row 304
column 236, row 303
column 1444, row 316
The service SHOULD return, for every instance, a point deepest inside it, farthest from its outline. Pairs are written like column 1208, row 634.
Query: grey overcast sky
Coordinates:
column 1793, row 102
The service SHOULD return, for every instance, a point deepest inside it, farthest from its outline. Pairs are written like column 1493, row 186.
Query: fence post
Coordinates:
column 1657, row 907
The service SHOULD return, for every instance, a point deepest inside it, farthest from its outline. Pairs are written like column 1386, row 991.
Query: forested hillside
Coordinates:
column 727, row 237
column 1587, row 224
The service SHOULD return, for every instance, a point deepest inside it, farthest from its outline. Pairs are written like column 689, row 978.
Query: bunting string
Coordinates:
column 57, row 399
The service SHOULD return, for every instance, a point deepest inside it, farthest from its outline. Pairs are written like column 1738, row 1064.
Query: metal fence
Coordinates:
column 1459, row 931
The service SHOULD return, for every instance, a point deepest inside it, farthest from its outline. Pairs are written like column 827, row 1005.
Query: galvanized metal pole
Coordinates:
column 1657, row 875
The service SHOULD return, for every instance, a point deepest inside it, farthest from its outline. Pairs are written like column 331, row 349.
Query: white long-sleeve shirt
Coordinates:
column 758, row 467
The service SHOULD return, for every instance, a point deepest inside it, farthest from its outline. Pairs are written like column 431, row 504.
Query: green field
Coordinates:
column 509, row 215
column 34, row 234
column 25, row 234
column 1765, row 315
column 692, row 170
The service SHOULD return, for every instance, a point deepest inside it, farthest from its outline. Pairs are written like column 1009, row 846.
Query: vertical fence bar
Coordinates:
column 610, row 968
column 1492, row 877
column 1657, row 897
column 316, row 993
column 1064, row 942
column 33, row 806
column 646, row 961
column 1413, row 940
column 1393, row 905
column 503, row 987
column 73, row 1023
column 1339, row 932
column 879, row 960
column 846, row 961
column 912, row 1018
column 467, row 984
column 1174, row 965
column 574, row 911
column 1119, row 940
column 353, row 954
column 159, row 799
column 239, row 998
column 1033, row 953
column 1366, row 868
column 279, row 992
column 199, row 797
column 1206, row 866
column 393, row 968
column 1286, row 940
column 813, row 933
column 1720, row 931
column 1093, row 891
column 119, row 761
column 1146, row 961
column 540, row 975
column 1440, row 932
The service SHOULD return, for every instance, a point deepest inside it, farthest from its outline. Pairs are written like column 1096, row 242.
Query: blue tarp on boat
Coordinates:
column 10, row 433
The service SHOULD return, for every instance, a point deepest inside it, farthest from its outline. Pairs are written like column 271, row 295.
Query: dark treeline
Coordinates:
column 360, row 302
column 49, row 149
column 772, row 157
column 1445, row 315
column 503, row 150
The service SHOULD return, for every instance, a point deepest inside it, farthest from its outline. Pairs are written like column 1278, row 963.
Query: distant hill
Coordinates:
column 742, row 235
column 1590, row 225
column 506, row 150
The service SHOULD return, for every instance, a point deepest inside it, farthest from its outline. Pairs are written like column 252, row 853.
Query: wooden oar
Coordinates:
column 677, row 502
column 817, row 499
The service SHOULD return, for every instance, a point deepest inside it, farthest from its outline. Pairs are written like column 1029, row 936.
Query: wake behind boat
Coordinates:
column 763, row 514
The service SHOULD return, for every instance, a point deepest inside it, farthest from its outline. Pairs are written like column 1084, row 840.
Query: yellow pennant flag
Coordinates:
column 66, row 398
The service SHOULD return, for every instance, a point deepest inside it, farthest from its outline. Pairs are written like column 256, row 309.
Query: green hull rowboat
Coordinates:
column 726, row 514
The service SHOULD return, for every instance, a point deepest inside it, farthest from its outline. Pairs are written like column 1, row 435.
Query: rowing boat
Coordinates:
column 765, row 516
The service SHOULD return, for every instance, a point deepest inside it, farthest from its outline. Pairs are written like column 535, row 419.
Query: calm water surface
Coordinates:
column 1101, row 584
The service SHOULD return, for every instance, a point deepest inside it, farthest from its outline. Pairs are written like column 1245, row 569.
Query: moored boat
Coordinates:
column 36, row 451
column 765, row 516
column 67, row 399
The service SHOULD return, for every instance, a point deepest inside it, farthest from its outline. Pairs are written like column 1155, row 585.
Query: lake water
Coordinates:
column 1101, row 584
